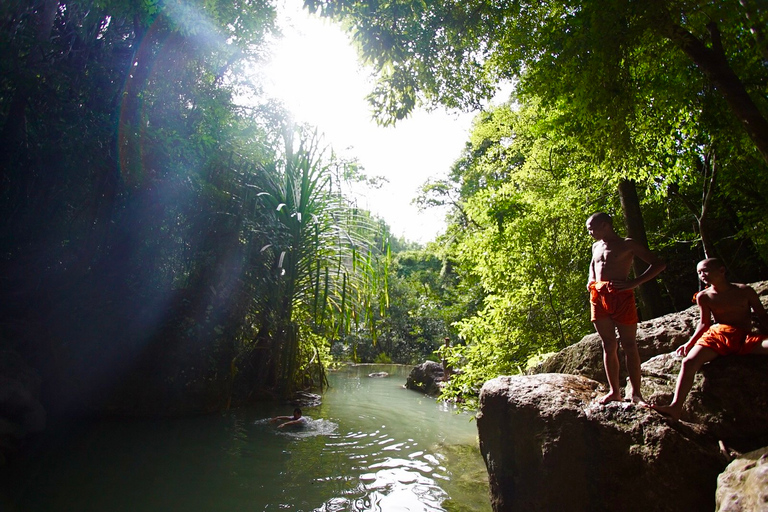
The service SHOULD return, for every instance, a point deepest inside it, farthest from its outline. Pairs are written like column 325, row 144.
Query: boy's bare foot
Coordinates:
column 610, row 397
column 636, row 399
column 668, row 411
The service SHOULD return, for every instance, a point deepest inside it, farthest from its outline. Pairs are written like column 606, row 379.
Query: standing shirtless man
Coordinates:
column 612, row 300
column 732, row 306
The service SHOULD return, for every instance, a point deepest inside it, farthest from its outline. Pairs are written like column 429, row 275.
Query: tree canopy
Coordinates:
column 652, row 111
column 587, row 56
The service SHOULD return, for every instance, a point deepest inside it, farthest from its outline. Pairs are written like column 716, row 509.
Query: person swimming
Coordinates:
column 297, row 420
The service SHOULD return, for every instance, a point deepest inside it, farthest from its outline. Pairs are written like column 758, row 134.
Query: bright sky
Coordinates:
column 316, row 73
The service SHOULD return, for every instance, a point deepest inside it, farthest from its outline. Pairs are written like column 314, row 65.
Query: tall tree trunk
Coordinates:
column 651, row 303
column 714, row 64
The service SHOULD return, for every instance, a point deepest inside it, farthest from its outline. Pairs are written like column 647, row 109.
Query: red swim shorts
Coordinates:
column 619, row 305
column 728, row 340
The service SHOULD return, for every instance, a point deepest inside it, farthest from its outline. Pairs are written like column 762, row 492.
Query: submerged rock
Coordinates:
column 378, row 375
column 306, row 399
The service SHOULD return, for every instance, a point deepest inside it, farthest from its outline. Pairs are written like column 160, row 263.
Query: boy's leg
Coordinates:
column 691, row 364
column 761, row 349
column 605, row 327
column 628, row 340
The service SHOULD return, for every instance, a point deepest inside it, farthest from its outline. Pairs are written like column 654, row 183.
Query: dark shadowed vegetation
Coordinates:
column 168, row 247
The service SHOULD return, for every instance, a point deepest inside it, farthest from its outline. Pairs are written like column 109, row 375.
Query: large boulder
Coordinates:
column 729, row 396
column 545, row 432
column 743, row 486
column 426, row 378
column 548, row 446
column 654, row 337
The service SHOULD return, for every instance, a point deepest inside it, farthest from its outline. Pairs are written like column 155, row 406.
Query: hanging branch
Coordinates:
column 709, row 173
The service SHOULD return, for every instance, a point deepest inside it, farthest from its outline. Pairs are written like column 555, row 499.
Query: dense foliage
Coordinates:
column 654, row 112
column 164, row 249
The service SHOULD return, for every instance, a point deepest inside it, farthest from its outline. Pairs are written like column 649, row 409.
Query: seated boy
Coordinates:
column 731, row 305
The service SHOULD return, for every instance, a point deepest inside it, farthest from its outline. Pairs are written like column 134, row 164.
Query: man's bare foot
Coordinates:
column 667, row 410
column 610, row 397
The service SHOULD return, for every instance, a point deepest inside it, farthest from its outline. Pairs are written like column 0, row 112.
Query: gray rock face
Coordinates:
column 729, row 395
column 654, row 337
column 743, row 486
column 426, row 378
column 548, row 446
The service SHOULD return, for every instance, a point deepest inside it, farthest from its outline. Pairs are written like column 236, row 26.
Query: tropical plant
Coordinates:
column 326, row 269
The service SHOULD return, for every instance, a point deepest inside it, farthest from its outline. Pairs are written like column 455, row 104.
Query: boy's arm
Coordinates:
column 758, row 309
column 705, row 321
column 591, row 279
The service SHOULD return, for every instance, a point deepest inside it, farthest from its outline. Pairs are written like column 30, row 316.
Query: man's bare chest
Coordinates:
column 608, row 253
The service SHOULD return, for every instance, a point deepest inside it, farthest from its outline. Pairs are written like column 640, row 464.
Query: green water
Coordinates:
column 371, row 445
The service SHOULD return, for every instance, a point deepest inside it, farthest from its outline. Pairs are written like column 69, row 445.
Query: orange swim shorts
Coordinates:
column 728, row 340
column 619, row 305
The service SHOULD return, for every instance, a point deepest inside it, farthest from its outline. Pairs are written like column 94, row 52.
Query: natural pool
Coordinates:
column 371, row 445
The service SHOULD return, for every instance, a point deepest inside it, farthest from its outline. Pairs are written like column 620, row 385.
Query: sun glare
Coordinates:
column 315, row 73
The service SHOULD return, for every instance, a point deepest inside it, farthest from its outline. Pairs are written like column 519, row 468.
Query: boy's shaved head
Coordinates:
column 712, row 263
column 601, row 217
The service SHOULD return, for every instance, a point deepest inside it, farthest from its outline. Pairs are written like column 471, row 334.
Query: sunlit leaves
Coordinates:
column 524, row 187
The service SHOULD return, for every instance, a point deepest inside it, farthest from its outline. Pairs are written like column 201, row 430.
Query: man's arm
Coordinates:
column 655, row 266
column 591, row 279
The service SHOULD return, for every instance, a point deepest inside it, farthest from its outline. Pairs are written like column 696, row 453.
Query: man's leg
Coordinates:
column 606, row 328
column 628, row 340
column 691, row 364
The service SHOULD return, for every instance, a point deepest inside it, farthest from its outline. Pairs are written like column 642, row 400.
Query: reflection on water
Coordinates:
column 370, row 446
